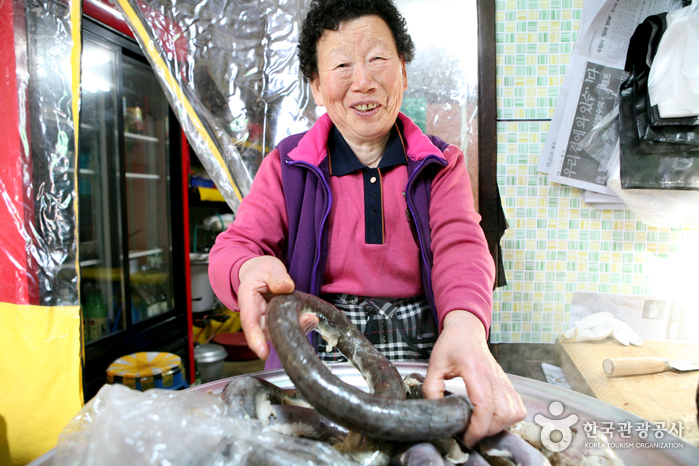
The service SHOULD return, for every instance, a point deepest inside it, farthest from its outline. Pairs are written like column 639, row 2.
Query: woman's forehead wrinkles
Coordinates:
column 342, row 48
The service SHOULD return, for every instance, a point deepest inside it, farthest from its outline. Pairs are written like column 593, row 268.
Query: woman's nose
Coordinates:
column 363, row 78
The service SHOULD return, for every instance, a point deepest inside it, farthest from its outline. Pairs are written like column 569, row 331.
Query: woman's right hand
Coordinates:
column 258, row 276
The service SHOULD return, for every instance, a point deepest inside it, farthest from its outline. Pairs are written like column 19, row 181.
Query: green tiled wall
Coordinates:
column 534, row 40
column 556, row 244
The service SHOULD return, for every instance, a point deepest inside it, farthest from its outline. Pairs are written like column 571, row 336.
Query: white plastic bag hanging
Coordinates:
column 673, row 84
column 656, row 207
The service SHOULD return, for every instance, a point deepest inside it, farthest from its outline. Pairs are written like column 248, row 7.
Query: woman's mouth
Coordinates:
column 365, row 107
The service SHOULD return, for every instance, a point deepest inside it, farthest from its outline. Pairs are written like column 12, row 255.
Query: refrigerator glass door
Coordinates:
column 146, row 159
column 101, row 245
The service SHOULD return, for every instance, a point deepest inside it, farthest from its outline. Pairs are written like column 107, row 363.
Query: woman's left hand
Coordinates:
column 461, row 351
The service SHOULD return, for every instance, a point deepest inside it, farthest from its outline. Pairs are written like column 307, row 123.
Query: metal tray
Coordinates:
column 537, row 396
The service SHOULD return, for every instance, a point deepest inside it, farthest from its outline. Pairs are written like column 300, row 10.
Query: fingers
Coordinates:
column 461, row 351
column 308, row 322
column 252, row 308
column 496, row 405
column 434, row 386
column 266, row 274
column 483, row 412
column 281, row 283
column 260, row 276
column 485, row 395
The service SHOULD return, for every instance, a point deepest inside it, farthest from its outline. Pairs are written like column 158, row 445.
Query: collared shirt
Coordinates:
column 369, row 225
column 343, row 161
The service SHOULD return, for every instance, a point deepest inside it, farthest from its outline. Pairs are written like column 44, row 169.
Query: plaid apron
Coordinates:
column 402, row 329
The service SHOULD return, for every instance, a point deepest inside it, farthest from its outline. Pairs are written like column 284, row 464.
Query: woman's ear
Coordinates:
column 405, row 75
column 315, row 89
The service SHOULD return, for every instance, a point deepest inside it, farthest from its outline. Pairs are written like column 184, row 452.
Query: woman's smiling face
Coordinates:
column 360, row 79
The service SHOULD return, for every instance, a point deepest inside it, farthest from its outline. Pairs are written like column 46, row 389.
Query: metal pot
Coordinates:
column 209, row 359
column 202, row 293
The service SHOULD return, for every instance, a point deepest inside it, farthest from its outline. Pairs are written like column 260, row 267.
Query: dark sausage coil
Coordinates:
column 384, row 413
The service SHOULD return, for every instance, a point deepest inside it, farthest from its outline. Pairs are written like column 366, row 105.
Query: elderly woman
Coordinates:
column 369, row 213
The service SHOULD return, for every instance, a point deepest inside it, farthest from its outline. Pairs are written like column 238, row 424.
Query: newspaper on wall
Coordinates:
column 582, row 142
column 602, row 201
column 588, row 13
column 652, row 318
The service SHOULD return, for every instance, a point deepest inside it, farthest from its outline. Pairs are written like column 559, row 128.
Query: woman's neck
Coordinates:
column 369, row 153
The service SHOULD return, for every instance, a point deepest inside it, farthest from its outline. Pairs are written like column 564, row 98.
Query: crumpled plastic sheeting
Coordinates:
column 124, row 426
column 230, row 71
column 47, row 131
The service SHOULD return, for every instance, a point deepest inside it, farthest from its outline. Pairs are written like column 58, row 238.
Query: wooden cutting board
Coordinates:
column 668, row 397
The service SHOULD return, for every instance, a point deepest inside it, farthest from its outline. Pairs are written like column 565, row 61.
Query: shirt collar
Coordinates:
column 343, row 161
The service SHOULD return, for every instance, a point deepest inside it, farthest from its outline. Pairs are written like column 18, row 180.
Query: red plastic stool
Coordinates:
column 236, row 346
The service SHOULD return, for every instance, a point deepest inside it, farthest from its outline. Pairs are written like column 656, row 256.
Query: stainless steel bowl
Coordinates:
column 537, row 396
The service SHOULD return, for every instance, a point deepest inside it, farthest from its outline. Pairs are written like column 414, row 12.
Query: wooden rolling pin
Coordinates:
column 619, row 367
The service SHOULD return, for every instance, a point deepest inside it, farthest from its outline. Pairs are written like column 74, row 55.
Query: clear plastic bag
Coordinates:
column 656, row 207
column 124, row 426
column 673, row 84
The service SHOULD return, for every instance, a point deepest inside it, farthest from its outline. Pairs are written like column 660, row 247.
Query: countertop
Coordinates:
column 666, row 397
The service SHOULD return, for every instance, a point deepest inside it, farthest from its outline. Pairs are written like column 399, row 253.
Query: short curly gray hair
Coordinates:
column 326, row 15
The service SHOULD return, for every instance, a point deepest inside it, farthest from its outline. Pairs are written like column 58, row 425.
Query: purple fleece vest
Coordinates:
column 308, row 200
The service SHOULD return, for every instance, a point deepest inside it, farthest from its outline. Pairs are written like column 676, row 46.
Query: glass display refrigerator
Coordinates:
column 131, row 221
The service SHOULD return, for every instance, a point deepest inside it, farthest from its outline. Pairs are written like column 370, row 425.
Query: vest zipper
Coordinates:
column 315, row 282
column 430, row 159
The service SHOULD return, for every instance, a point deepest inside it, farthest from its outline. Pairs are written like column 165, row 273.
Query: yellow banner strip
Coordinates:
column 76, row 14
column 39, row 377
